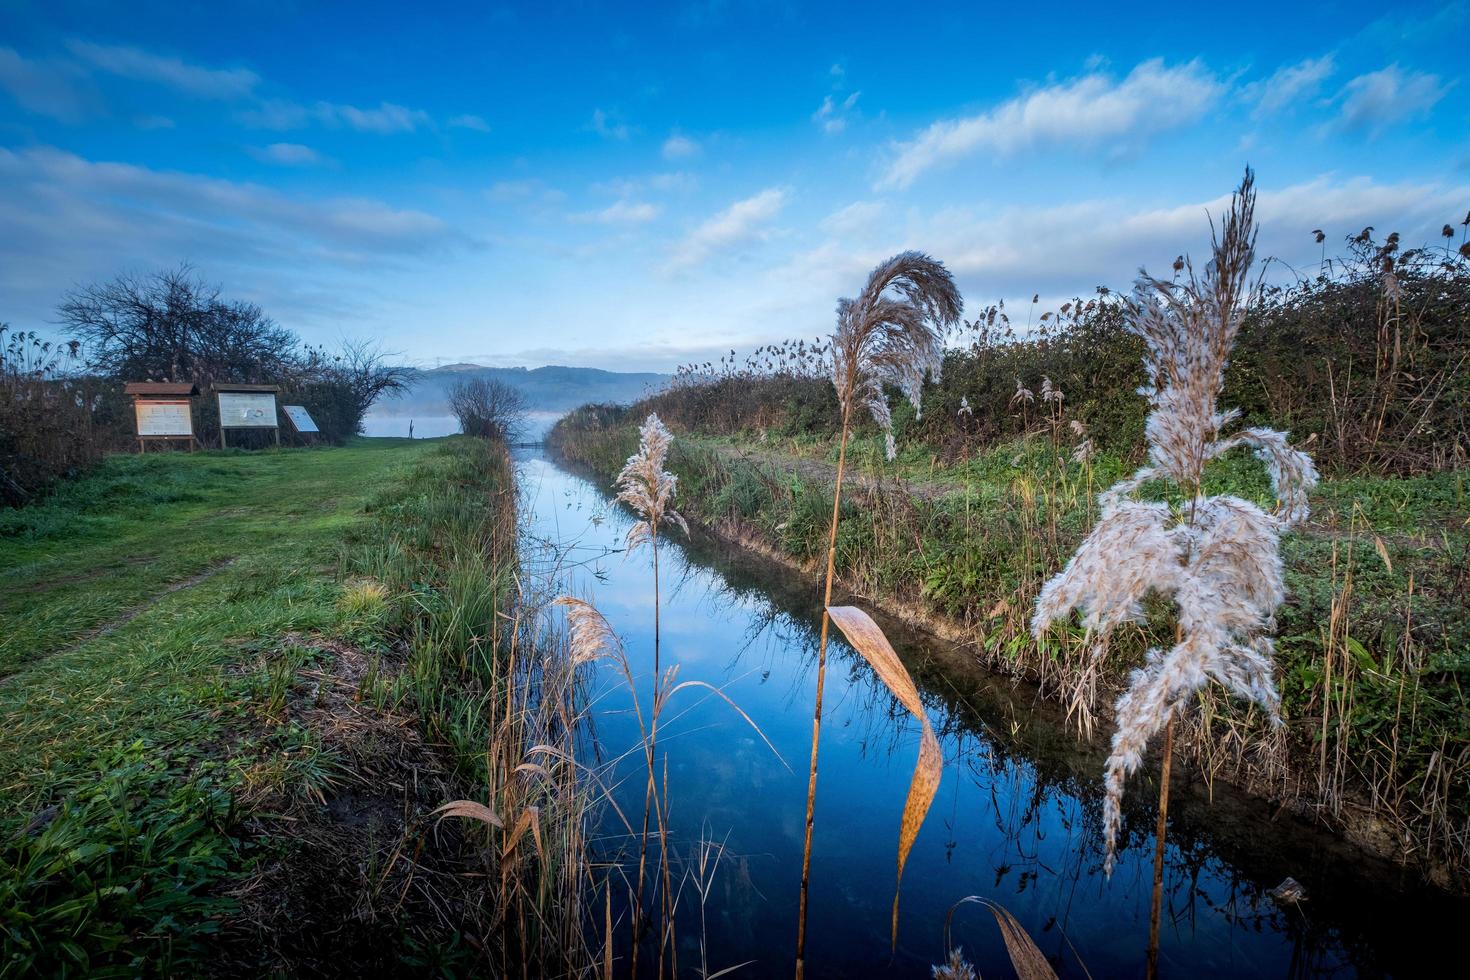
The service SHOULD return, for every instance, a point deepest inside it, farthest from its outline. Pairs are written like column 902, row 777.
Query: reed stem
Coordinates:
column 1159, row 840
column 811, row 786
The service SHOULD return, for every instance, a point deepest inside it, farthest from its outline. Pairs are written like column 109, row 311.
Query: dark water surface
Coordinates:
column 1016, row 820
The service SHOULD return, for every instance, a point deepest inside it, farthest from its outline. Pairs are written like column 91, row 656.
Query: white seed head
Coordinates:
column 647, row 487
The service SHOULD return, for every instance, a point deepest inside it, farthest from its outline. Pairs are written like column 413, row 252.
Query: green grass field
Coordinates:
column 135, row 604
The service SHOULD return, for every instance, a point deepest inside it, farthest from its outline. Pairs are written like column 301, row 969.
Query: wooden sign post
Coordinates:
column 164, row 411
column 246, row 407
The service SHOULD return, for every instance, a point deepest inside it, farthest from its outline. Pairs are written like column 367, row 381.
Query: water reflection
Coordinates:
column 1017, row 819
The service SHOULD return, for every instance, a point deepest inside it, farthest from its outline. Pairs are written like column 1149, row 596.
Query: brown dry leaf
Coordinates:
column 472, row 810
column 1382, row 550
column 999, row 609
column 867, row 638
column 1029, row 962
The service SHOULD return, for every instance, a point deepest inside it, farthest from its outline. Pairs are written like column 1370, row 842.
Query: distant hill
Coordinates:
column 547, row 389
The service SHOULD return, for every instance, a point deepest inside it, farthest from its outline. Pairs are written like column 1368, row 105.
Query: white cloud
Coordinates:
column 1379, row 99
column 832, row 115
column 309, row 257
column 605, row 126
column 47, row 88
column 287, row 154
column 741, row 222
column 1091, row 110
column 140, row 65
column 678, row 147
column 386, row 119
column 623, row 213
column 857, row 219
column 470, row 121
column 1289, row 84
column 664, row 183
column 528, row 191
column 1070, row 248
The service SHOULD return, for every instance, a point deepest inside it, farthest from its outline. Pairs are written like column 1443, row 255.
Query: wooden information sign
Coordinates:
column 164, row 411
column 246, row 407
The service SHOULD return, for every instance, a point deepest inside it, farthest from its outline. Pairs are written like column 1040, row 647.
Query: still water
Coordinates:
column 1016, row 819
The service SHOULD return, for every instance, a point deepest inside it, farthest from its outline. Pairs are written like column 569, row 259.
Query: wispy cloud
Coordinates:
column 1288, row 85
column 386, row 119
column 622, row 213
column 679, row 147
column 287, row 154
column 139, row 65
column 606, row 126
column 66, row 214
column 742, row 222
column 833, row 115
column 470, row 121
column 527, row 191
column 1377, row 100
column 623, row 187
column 1092, row 110
column 855, row 220
column 48, row 88
column 1070, row 248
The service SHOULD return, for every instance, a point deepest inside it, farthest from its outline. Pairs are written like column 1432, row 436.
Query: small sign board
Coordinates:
column 164, row 417
column 300, row 418
column 247, row 410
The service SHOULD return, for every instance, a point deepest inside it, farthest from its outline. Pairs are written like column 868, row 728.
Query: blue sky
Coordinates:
column 636, row 187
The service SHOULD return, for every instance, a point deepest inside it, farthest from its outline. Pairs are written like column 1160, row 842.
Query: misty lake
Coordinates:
column 434, row 426
column 1016, row 820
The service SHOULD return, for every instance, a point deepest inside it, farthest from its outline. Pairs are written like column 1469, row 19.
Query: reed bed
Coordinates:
column 492, row 681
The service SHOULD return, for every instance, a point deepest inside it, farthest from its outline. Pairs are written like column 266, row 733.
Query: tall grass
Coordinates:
column 505, row 694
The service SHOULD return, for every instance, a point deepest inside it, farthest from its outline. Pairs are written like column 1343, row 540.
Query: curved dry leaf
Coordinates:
column 471, row 810
column 1030, row 962
column 867, row 638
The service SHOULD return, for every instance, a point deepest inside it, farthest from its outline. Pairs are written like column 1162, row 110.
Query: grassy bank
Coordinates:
column 234, row 688
column 1374, row 642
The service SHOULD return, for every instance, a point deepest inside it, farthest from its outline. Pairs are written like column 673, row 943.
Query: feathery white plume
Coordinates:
column 893, row 334
column 1217, row 557
column 647, row 487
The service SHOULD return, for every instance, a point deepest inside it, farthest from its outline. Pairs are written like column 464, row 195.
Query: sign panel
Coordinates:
column 164, row 417
column 247, row 410
column 300, row 418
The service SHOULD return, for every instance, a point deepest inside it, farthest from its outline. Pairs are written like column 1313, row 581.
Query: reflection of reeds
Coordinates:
column 891, row 334
column 647, row 487
column 1216, row 557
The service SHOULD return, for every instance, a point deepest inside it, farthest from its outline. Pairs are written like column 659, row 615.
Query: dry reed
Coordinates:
column 891, row 334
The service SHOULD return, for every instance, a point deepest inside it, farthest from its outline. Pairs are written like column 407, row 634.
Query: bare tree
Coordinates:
column 361, row 369
column 489, row 408
column 173, row 325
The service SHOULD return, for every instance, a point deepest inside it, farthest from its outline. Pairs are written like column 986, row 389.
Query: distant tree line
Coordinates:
column 62, row 406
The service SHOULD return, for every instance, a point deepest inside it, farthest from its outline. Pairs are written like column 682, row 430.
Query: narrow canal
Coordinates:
column 1016, row 820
